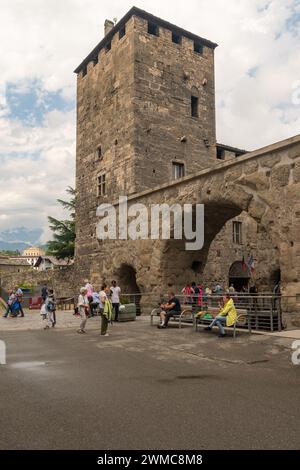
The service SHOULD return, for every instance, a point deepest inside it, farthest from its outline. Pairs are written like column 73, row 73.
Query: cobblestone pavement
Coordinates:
column 33, row 321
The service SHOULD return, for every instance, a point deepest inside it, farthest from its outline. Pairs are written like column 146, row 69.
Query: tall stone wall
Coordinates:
column 62, row 281
column 105, row 136
column 166, row 76
column 134, row 102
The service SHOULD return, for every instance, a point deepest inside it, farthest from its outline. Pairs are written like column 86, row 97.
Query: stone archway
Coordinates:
column 126, row 276
column 264, row 183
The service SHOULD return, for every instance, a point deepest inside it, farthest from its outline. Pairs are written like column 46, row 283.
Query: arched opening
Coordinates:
column 180, row 266
column 231, row 235
column 239, row 276
column 126, row 275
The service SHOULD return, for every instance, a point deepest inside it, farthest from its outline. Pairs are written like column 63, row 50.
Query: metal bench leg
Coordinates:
column 234, row 331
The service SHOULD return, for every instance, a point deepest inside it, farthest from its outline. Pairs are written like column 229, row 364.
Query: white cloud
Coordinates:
column 45, row 41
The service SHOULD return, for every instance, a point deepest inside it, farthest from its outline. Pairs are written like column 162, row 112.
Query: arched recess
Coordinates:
column 127, row 279
column 180, row 266
column 126, row 275
column 239, row 276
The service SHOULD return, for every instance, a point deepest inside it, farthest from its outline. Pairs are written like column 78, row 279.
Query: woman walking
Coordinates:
column 83, row 309
column 106, row 314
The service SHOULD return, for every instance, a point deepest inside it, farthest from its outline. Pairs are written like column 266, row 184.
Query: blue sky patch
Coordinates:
column 253, row 72
column 29, row 102
column 293, row 23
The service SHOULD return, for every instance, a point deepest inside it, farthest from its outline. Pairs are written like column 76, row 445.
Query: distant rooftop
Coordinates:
column 53, row 260
column 7, row 261
column 147, row 16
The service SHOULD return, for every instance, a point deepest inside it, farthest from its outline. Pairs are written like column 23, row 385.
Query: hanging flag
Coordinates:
column 251, row 263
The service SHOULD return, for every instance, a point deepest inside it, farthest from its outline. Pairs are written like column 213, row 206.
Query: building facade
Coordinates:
column 145, row 119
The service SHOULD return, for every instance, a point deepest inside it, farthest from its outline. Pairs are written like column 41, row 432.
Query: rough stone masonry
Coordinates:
column 146, row 129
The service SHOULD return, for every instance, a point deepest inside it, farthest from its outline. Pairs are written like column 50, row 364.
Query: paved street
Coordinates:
column 146, row 388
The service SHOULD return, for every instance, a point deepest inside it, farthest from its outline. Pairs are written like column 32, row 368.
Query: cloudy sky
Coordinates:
column 257, row 84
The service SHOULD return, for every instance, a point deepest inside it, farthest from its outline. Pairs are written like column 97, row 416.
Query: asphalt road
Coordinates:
column 147, row 389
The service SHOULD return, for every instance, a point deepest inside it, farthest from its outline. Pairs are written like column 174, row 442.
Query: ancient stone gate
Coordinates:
column 264, row 183
column 146, row 130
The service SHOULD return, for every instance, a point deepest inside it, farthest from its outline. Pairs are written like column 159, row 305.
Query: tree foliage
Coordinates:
column 63, row 244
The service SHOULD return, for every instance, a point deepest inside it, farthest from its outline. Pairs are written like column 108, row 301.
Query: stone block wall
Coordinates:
column 166, row 76
column 61, row 280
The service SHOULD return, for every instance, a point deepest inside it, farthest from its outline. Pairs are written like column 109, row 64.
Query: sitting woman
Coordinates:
column 226, row 317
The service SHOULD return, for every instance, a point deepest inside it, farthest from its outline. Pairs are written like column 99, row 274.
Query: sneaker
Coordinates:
column 222, row 335
column 208, row 328
column 80, row 332
column 46, row 327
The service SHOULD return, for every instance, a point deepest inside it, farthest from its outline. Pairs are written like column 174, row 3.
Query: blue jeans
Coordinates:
column 220, row 322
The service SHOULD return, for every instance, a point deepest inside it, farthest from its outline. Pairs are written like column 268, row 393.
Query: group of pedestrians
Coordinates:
column 14, row 303
column 104, row 303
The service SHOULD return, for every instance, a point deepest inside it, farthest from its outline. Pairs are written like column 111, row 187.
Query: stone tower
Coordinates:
column 145, row 115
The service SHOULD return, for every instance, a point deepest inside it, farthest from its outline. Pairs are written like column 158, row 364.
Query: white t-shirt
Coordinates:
column 82, row 303
column 116, row 291
column 103, row 297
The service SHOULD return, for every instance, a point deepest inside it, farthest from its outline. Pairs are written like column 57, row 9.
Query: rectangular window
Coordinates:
column 122, row 32
column 220, row 153
column 153, row 29
column 237, row 232
column 178, row 171
column 198, row 47
column 194, row 106
column 176, row 38
column 101, row 185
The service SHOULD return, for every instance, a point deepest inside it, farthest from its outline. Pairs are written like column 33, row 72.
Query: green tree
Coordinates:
column 63, row 244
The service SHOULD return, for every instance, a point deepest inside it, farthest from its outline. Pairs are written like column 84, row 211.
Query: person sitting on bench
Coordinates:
column 226, row 317
column 169, row 310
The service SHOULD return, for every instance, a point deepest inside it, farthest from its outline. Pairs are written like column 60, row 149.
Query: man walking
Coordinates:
column 115, row 298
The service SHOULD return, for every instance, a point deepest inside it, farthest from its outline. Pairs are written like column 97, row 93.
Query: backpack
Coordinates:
column 51, row 306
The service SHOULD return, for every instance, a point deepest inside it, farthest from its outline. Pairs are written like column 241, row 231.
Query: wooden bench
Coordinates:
column 242, row 320
column 186, row 315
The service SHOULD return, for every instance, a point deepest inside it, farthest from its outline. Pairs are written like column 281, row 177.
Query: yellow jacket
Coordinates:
column 229, row 312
